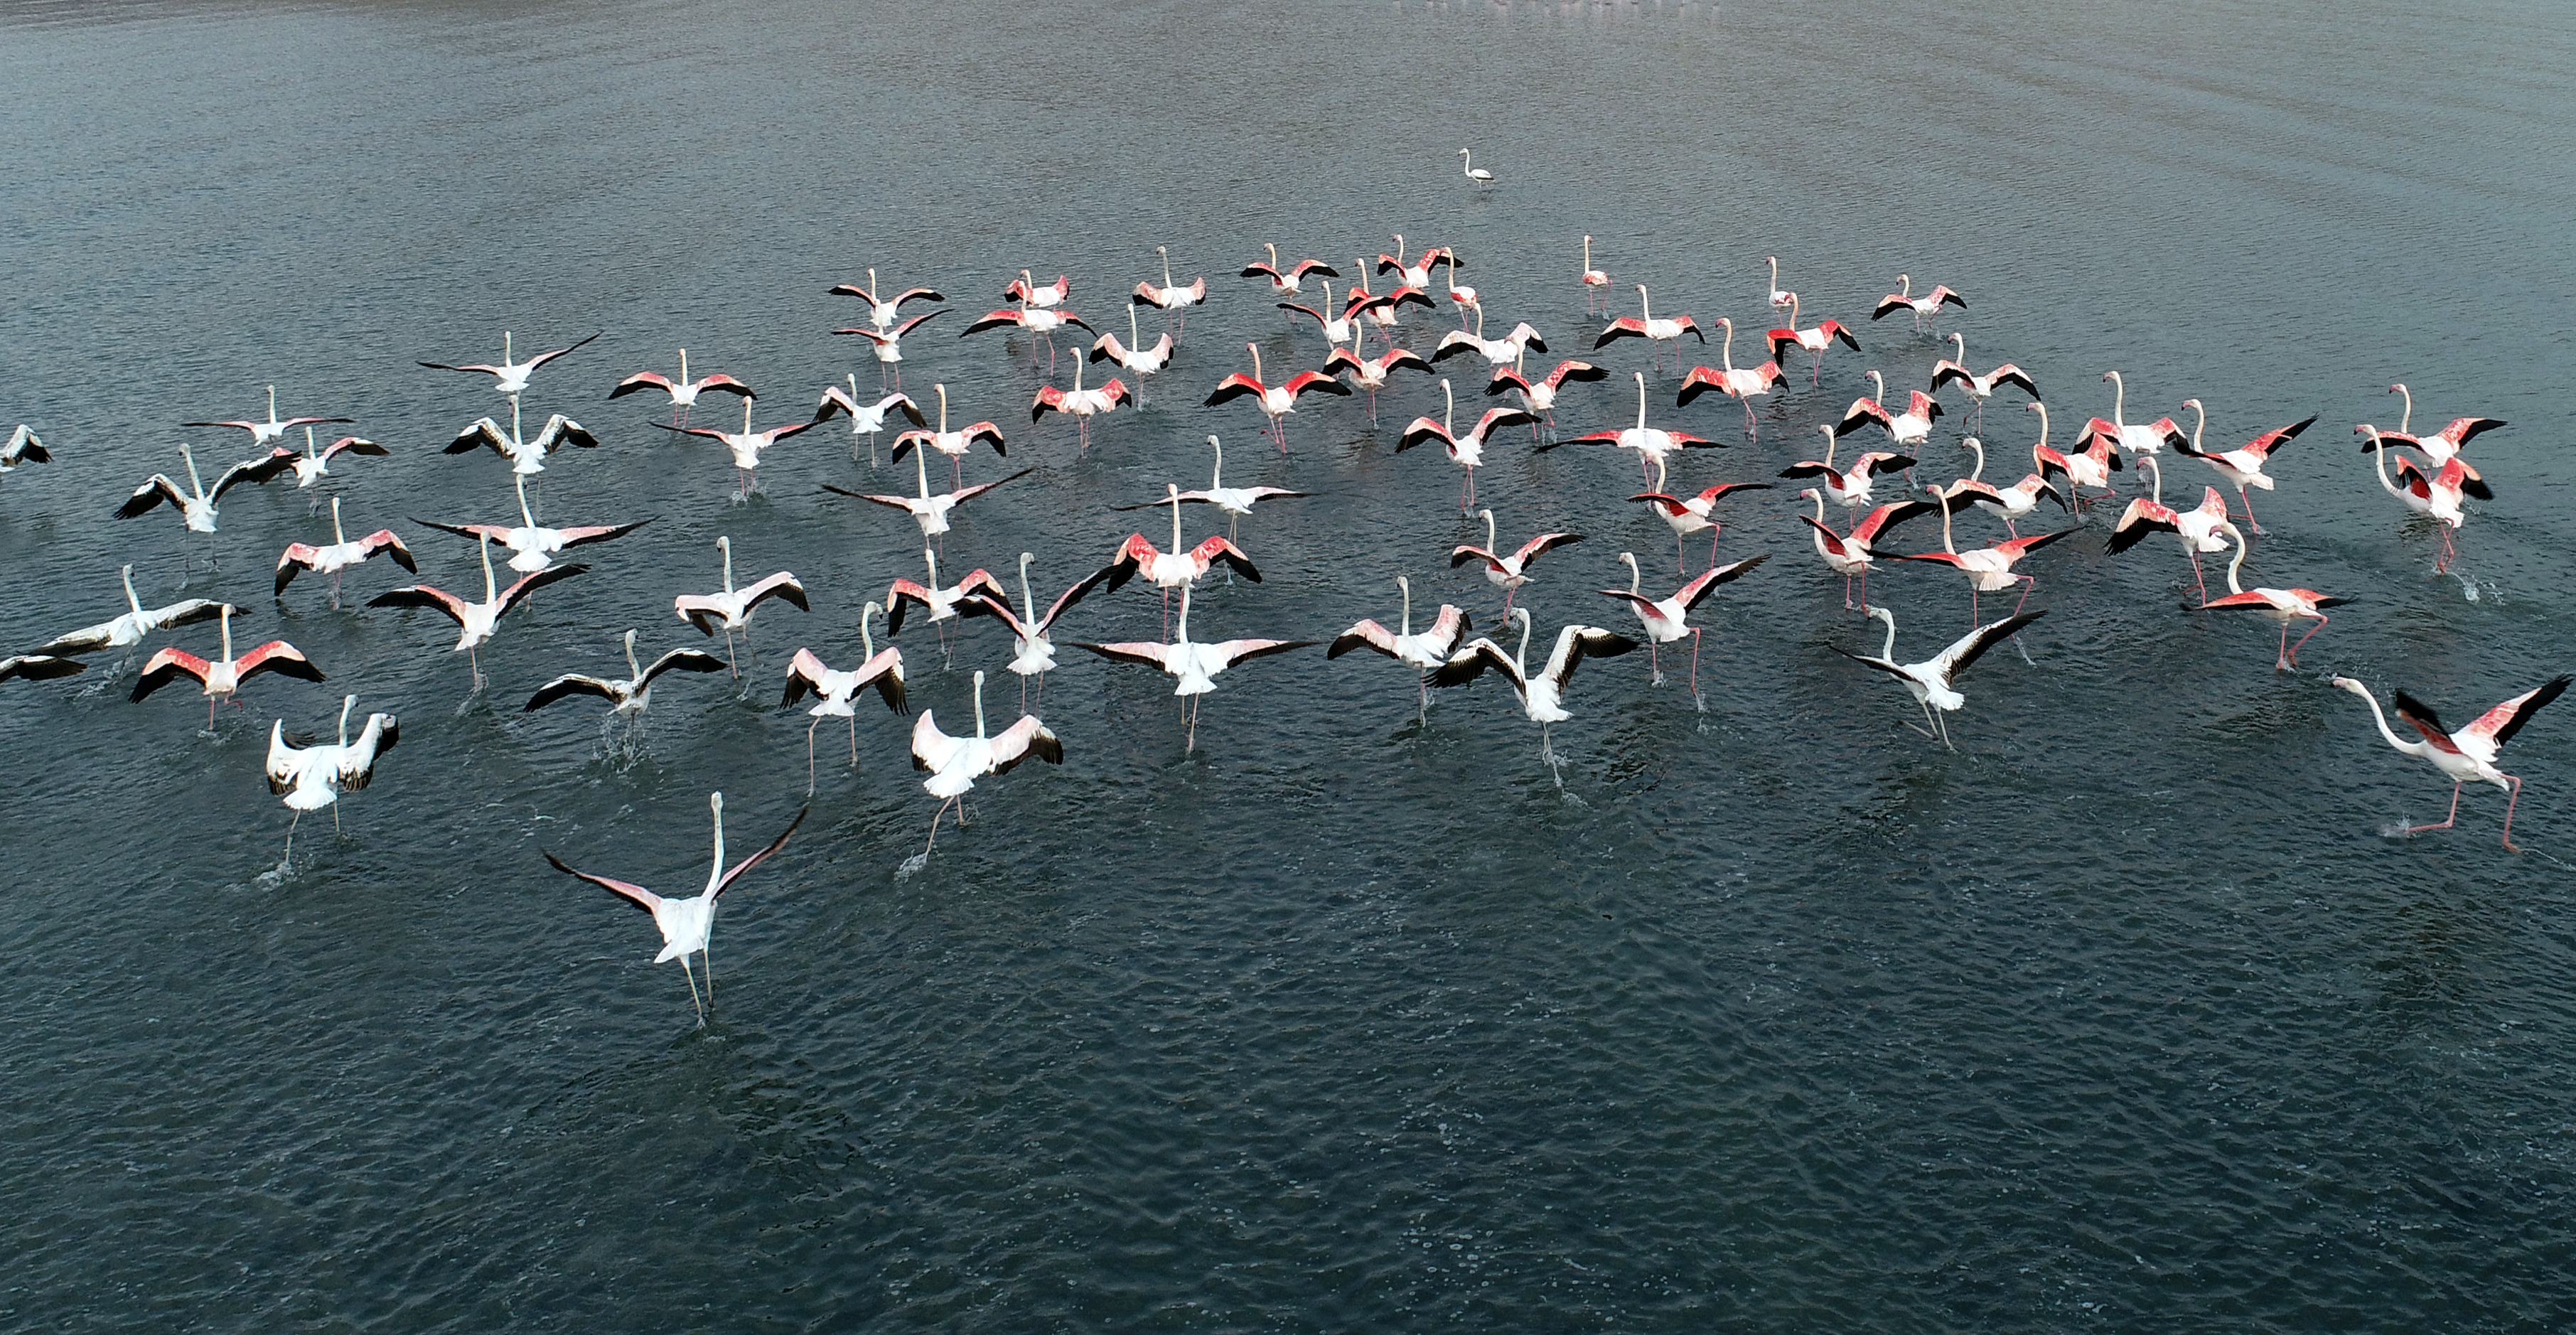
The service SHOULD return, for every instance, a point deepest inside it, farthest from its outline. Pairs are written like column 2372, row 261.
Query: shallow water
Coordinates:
column 2128, row 1014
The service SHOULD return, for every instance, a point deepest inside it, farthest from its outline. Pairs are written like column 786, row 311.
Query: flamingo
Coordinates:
column 1502, row 351
column 341, row 555
column 2091, row 465
column 683, row 392
column 1539, row 396
column 1687, row 515
column 1236, row 502
column 1078, row 403
column 1415, row 272
column 2282, row 605
column 1596, row 284
column 1136, row 357
column 939, row 600
column 272, row 430
column 1653, row 445
column 835, row 692
column 1815, row 340
column 1907, row 429
column 1290, row 281
column 1170, row 296
column 887, row 345
column 532, row 548
column 1461, row 298
column 1175, row 569
column 1192, row 666
column 39, row 667
column 1780, row 298
column 1852, row 555
column 883, row 314
column 730, row 609
column 955, row 763
column 1276, row 401
column 2439, row 495
column 1542, row 694
column 313, row 776
column 686, row 923
column 1980, row 387
column 526, row 455
column 2469, row 755
column 1508, row 573
column 1338, row 329
column 865, row 419
column 1467, row 164
column 1644, row 325
column 1741, row 385
column 1987, row 568
column 628, row 696
column 2442, row 444
column 475, row 621
column 1387, row 311
column 2196, row 528
column 931, row 512
column 2242, row 466
column 1422, row 652
column 1029, row 292
column 196, row 505
column 1849, row 487
column 1038, row 320
column 510, row 378
column 1934, row 682
column 2127, row 436
column 128, row 628
column 1927, row 305
column 954, row 444
column 1668, row 619
column 23, row 448
column 2005, row 503
column 314, row 464
column 745, row 445
column 222, row 678
column 1467, row 451
column 1372, row 373
column 1032, row 652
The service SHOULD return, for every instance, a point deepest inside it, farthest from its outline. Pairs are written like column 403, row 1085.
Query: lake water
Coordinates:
column 2130, row 1014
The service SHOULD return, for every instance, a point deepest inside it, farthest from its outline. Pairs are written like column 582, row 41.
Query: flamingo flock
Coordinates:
column 2430, row 475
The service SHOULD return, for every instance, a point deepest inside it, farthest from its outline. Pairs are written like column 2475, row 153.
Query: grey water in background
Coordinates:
column 2128, row 1015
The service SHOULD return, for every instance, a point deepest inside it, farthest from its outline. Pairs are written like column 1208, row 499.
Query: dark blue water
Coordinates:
column 2130, row 1014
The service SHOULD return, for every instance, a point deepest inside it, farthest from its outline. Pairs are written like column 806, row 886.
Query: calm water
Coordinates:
column 2128, row 1015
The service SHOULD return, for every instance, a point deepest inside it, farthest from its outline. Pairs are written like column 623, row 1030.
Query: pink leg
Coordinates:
column 2281, row 662
column 2512, row 796
column 2303, row 640
column 2248, row 502
column 2455, row 815
column 1695, row 665
column 809, row 751
column 1713, row 531
column 2028, row 583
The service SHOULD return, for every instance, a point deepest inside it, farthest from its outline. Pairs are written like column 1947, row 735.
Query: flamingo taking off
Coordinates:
column 1170, row 296
column 1467, row 451
column 1814, row 339
column 954, row 444
column 532, row 546
column 1508, row 573
column 835, row 692
column 526, row 455
column 222, row 678
column 1668, row 619
column 745, row 445
column 1738, row 383
column 686, row 923
column 887, row 345
column 2281, row 605
column 313, row 776
column 1275, row 401
column 475, row 622
column 1422, row 652
column 1852, row 555
column 1687, row 515
column 1032, row 651
column 2242, row 466
column 1934, row 681
column 683, row 392
column 340, row 555
column 1236, row 502
column 1542, row 693
column 273, row 429
column 1657, row 332
column 730, row 609
column 955, row 763
column 510, row 378
column 1987, row 568
column 1923, row 307
column 866, row 419
column 2466, row 756
column 628, row 696
column 1192, row 666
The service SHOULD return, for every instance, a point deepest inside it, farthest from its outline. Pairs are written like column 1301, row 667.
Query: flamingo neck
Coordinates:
column 1175, row 496
column 2236, row 562
column 1448, row 408
column 514, row 418
column 2379, row 460
column 2199, row 421
column 518, row 481
column 338, row 538
column 272, row 403
column 193, row 483
column 727, row 548
column 921, row 470
column 1636, row 579
column 867, row 642
column 1793, row 312
column 634, row 669
column 684, row 366
column 979, row 706
column 2042, row 410
column 2410, row 748
column 492, row 594
column 1947, row 544
column 311, row 450
column 1216, row 477
column 2149, row 461
column 943, row 408
column 2404, row 422
column 1641, row 401
column 226, row 617
column 1888, row 650
column 715, row 874
column 1726, row 349
column 1028, row 600
column 1520, row 656
column 505, row 347
column 1830, row 442
column 1134, row 338
column 1181, row 627
column 127, row 576
column 1167, row 276
column 1404, row 624
column 347, row 703
column 1256, row 362
column 1645, row 308
column 1489, row 531
column 2119, row 401
column 931, row 559
column 1980, row 447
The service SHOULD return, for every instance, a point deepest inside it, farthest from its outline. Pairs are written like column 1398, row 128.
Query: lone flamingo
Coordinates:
column 685, row 924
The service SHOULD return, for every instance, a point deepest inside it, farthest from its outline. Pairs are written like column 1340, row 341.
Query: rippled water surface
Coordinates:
column 2130, row 1014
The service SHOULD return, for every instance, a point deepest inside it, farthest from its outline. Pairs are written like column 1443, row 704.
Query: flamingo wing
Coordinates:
column 1832, row 540
column 2261, row 446
column 1706, row 582
column 166, row 667
column 982, row 604
column 279, row 657
column 39, row 667
column 1234, row 387
column 1472, row 661
column 254, row 471
column 1025, row 738
column 1363, row 634
column 583, row 535
column 627, row 890
column 1065, row 600
column 2419, row 716
column 1132, row 651
column 499, row 533
column 1576, row 643
column 529, row 584
column 1230, row 652
column 1315, row 382
column 724, row 384
column 544, row 357
column 572, row 684
column 933, row 750
column 2498, row 725
column 423, row 595
column 1967, row 649
column 1541, row 545
column 640, row 381
column 993, row 320
column 1221, row 549
column 735, row 873
column 781, row 585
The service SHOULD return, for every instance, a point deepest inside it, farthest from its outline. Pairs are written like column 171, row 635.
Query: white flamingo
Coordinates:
column 1934, row 682
column 685, row 924
column 475, row 622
